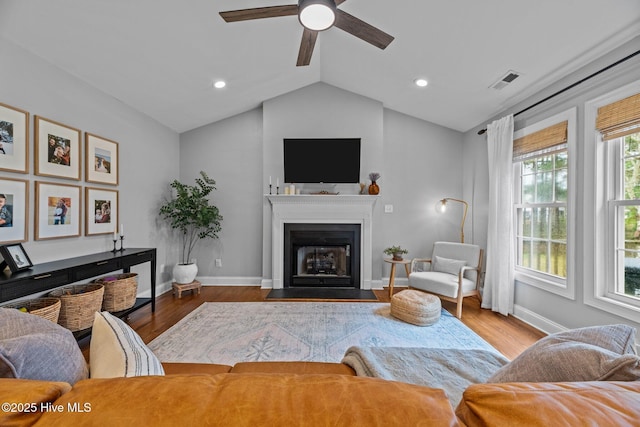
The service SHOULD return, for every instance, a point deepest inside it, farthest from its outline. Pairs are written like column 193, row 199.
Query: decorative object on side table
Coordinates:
column 190, row 213
column 396, row 252
column 374, row 188
column 15, row 257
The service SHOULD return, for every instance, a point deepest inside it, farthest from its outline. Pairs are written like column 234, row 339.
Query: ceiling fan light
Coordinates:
column 317, row 15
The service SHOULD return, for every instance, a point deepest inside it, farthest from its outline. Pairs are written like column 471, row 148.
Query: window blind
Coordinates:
column 547, row 139
column 620, row 118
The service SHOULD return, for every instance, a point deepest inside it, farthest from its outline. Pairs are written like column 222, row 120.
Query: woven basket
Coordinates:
column 120, row 291
column 79, row 305
column 48, row 308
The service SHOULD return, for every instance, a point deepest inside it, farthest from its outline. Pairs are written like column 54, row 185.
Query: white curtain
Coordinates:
column 498, row 283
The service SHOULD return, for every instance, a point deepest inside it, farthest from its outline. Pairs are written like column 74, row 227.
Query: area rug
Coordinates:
column 228, row 333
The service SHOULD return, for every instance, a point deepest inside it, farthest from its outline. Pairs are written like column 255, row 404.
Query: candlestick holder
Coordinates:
column 114, row 245
column 121, row 243
column 269, row 189
column 277, row 189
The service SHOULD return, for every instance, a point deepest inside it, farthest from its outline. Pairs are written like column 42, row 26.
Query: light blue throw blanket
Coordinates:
column 452, row 370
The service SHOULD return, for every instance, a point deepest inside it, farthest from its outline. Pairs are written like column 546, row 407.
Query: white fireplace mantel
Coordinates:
column 322, row 209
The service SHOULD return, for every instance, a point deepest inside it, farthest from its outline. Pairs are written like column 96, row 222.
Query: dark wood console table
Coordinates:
column 51, row 275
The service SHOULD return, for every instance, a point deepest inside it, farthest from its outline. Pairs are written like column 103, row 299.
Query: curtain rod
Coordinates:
column 626, row 58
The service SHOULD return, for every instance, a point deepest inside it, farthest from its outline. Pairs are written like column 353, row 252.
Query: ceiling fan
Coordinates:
column 315, row 16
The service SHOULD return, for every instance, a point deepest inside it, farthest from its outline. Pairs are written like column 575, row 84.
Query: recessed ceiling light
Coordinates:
column 219, row 84
column 421, row 82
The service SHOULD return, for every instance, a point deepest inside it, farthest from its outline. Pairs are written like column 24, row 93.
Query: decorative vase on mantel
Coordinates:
column 374, row 188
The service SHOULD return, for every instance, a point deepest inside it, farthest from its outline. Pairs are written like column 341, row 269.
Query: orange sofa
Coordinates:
column 307, row 393
column 44, row 382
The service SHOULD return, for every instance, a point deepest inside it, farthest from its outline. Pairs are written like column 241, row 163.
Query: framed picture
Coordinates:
column 14, row 209
column 14, row 139
column 101, row 211
column 102, row 160
column 57, row 151
column 57, row 210
column 15, row 257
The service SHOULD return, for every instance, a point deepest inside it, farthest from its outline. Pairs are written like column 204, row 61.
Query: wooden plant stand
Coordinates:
column 193, row 286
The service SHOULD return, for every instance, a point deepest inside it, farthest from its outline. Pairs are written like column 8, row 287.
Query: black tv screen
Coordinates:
column 317, row 160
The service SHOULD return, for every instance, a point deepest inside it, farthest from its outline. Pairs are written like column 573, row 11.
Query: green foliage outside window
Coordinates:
column 631, row 181
column 542, row 233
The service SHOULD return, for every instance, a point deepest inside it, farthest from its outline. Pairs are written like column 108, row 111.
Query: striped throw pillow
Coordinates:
column 118, row 351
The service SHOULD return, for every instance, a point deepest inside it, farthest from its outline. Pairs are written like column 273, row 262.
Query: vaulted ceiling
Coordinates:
column 162, row 56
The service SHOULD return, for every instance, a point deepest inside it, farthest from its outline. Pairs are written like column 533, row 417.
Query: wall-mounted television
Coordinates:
column 322, row 160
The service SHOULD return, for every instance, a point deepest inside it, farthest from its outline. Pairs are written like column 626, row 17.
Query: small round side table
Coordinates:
column 392, row 274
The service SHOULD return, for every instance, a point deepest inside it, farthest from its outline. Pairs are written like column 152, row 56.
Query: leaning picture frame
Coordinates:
column 58, row 210
column 57, row 149
column 14, row 139
column 15, row 257
column 102, row 208
column 14, row 210
column 101, row 164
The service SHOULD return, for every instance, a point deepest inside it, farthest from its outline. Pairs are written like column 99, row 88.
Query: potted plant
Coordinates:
column 396, row 252
column 190, row 212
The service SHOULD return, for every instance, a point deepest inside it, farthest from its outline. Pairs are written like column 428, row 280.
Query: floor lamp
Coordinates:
column 441, row 207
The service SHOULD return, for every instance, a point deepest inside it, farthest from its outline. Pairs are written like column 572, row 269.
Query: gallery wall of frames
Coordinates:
column 66, row 203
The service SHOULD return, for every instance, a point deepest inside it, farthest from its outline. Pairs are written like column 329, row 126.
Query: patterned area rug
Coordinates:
column 229, row 333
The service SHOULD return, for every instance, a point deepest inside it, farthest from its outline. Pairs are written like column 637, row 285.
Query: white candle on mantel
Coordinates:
column 277, row 182
column 122, row 229
column 269, row 179
column 115, row 235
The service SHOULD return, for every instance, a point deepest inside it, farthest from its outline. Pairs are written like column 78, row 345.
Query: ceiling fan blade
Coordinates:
column 306, row 47
column 362, row 30
column 259, row 13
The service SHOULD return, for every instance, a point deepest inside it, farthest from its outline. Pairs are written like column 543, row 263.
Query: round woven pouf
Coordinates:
column 416, row 307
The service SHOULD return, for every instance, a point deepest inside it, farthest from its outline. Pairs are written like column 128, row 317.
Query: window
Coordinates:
column 542, row 204
column 612, row 254
column 541, row 214
column 624, row 202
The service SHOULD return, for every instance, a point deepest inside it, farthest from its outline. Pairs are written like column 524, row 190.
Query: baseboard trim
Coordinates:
column 164, row 287
column 537, row 321
column 229, row 281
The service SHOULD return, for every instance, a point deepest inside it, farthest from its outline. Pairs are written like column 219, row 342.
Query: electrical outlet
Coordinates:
column 218, row 262
column 388, row 208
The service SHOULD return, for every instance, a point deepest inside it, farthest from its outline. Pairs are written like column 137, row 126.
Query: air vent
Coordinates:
column 505, row 80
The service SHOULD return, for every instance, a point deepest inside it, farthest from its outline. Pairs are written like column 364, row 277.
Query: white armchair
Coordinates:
column 452, row 272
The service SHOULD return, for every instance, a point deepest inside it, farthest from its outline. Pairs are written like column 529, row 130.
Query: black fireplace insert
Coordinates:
column 322, row 255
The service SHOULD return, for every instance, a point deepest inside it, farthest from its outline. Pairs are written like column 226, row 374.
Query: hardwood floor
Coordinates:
column 508, row 335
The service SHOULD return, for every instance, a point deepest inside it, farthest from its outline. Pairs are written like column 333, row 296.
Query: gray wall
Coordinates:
column 545, row 310
column 229, row 151
column 419, row 163
column 148, row 152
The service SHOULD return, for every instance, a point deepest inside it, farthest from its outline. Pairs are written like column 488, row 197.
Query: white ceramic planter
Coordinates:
column 184, row 273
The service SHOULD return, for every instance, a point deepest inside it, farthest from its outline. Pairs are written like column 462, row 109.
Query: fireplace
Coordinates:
column 321, row 255
column 325, row 210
